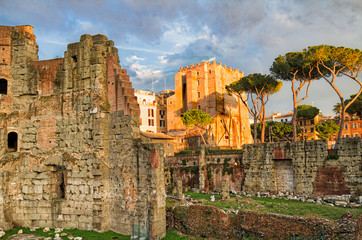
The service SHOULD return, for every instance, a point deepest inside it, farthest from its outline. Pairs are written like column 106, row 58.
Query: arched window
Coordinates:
column 3, row 86
column 12, row 142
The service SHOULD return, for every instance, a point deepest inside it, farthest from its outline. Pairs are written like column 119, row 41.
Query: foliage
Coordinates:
column 257, row 87
column 191, row 169
column 279, row 130
column 333, row 62
column 184, row 162
column 296, row 67
column 355, row 108
column 333, row 156
column 326, row 129
column 224, row 151
column 307, row 111
column 89, row 235
column 196, row 118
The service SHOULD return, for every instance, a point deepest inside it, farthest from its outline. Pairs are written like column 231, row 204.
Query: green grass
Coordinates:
column 86, row 235
column 91, row 235
column 173, row 235
column 198, row 196
column 280, row 206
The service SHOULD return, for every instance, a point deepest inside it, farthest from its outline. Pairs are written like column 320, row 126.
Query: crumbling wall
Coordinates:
column 77, row 162
column 314, row 169
column 215, row 169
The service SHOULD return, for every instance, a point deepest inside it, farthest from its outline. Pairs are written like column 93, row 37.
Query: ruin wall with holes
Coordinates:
column 70, row 151
column 304, row 167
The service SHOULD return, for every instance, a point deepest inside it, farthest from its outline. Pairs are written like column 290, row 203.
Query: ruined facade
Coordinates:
column 203, row 87
column 304, row 167
column 71, row 155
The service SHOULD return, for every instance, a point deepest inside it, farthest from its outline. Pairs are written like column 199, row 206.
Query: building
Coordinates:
column 148, row 110
column 352, row 127
column 70, row 147
column 153, row 110
column 167, row 141
column 307, row 126
column 161, row 99
column 202, row 86
column 278, row 117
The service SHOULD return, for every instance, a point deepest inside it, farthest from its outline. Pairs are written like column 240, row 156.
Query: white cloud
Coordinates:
column 134, row 59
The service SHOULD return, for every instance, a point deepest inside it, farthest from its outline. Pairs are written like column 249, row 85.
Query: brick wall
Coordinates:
column 313, row 171
column 79, row 163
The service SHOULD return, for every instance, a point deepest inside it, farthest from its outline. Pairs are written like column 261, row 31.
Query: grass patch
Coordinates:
column 292, row 208
column 280, row 206
column 198, row 196
column 86, row 235
column 173, row 235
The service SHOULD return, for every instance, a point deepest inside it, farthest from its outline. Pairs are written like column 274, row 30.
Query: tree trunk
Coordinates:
column 341, row 119
column 294, row 123
column 295, row 111
column 262, row 137
column 255, row 129
column 203, row 139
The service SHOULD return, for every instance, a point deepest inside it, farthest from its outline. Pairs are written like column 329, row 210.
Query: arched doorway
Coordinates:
column 12, row 142
column 3, row 86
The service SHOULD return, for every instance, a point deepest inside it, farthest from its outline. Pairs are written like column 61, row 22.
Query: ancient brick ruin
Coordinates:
column 304, row 167
column 70, row 150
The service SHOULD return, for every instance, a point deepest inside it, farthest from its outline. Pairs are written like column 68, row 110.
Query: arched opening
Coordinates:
column 3, row 86
column 12, row 142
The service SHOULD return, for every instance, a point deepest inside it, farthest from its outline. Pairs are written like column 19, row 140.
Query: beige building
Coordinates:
column 148, row 110
column 203, row 87
column 153, row 110
column 166, row 140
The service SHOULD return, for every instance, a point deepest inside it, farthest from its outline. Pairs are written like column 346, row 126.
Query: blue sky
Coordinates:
column 161, row 36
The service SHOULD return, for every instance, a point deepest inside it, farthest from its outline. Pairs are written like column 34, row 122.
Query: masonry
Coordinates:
column 70, row 149
column 304, row 167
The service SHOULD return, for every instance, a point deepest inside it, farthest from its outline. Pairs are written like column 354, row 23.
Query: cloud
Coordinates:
column 163, row 35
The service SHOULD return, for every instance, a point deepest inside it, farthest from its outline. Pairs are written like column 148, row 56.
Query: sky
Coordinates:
column 156, row 37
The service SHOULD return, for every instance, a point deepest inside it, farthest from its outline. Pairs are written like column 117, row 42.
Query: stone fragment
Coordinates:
column 20, row 231
column 212, row 198
column 225, row 190
column 47, row 229
column 179, row 193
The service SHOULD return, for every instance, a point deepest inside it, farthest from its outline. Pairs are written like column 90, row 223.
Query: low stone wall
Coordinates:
column 207, row 221
column 206, row 171
column 304, row 168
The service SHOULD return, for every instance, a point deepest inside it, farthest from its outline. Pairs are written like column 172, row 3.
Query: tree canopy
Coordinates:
column 338, row 61
column 278, row 130
column 326, row 129
column 354, row 108
column 300, row 69
column 196, row 118
column 307, row 111
column 257, row 88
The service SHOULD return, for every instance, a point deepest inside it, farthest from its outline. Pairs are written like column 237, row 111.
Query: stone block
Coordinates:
column 54, row 160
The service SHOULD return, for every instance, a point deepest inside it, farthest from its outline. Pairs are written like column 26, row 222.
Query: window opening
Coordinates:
column 3, row 86
column 13, row 142
column 60, row 181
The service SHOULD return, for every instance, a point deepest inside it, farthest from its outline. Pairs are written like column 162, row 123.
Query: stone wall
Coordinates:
column 207, row 221
column 206, row 171
column 304, row 167
column 70, row 156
